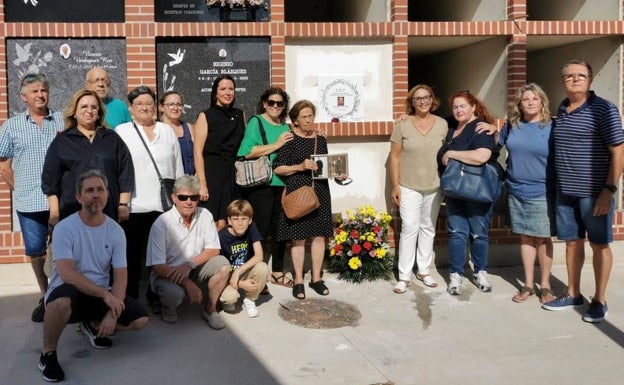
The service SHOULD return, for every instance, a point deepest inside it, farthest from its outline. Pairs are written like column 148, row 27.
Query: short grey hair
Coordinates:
column 187, row 182
column 90, row 174
column 33, row 78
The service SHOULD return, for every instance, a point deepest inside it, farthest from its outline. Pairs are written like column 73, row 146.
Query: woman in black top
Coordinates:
column 86, row 144
column 218, row 133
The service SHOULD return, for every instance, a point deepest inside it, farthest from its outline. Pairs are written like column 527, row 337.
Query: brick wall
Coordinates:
column 140, row 32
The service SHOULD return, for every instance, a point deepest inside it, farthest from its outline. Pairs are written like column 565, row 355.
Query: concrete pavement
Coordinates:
column 424, row 336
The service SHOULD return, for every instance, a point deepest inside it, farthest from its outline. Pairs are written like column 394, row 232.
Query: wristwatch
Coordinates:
column 610, row 187
column 191, row 264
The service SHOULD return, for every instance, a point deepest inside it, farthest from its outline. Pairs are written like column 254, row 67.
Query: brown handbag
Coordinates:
column 300, row 202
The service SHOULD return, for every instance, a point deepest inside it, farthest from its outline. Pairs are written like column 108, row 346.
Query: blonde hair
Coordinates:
column 515, row 112
column 72, row 106
column 239, row 207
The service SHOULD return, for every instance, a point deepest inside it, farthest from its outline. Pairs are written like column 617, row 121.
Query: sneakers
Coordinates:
column 228, row 307
column 214, row 320
column 50, row 368
column 250, row 308
column 454, row 287
column 563, row 303
column 169, row 314
column 596, row 313
column 96, row 342
column 480, row 279
column 39, row 312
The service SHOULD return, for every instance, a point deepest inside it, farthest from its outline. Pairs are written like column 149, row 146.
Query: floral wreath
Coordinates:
column 356, row 98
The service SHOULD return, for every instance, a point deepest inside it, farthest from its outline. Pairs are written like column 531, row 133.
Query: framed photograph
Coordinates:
column 322, row 172
column 338, row 165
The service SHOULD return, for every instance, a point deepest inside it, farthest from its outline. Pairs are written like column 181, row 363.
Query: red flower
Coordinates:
column 356, row 248
column 337, row 248
column 377, row 229
column 354, row 234
column 368, row 245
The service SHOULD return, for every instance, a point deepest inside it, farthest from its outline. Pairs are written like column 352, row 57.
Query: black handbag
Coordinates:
column 254, row 172
column 166, row 184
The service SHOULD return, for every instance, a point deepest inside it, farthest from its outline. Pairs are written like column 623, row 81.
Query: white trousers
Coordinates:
column 419, row 213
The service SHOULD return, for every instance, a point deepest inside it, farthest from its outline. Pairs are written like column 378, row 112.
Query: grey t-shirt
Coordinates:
column 94, row 249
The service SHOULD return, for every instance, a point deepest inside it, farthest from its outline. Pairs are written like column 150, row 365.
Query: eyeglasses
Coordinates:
column 581, row 77
column 273, row 103
column 99, row 80
column 183, row 198
column 171, row 106
column 421, row 99
column 143, row 104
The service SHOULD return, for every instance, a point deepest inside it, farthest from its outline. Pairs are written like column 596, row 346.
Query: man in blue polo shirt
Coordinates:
column 24, row 140
column 589, row 157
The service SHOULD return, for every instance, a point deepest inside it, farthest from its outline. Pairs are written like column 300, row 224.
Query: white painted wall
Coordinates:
column 458, row 10
column 372, row 59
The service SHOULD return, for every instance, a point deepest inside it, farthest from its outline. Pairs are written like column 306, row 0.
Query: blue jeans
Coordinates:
column 466, row 218
column 34, row 228
column 575, row 218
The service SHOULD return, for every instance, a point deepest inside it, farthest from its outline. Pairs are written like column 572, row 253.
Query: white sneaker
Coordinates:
column 250, row 308
column 454, row 287
column 480, row 279
column 400, row 287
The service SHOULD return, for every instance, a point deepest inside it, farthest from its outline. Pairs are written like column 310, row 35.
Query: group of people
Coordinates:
column 87, row 182
column 561, row 178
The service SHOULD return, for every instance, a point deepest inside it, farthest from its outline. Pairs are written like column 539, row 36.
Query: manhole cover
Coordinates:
column 320, row 313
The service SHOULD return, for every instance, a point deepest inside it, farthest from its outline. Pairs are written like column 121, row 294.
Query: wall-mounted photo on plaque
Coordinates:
column 64, row 11
column 211, row 10
column 190, row 66
column 65, row 62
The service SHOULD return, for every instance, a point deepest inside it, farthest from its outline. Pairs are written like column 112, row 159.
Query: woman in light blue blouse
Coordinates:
column 531, row 185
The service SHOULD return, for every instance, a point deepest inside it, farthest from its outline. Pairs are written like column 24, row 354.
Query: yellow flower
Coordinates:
column 332, row 252
column 370, row 238
column 355, row 263
column 380, row 252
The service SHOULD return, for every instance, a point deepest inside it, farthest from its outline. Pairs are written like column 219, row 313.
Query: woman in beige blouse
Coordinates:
column 415, row 142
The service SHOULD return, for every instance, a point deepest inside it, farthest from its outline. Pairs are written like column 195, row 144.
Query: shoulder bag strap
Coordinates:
column 148, row 151
column 261, row 128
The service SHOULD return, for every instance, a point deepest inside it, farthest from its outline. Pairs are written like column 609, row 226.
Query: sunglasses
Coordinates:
column 183, row 198
column 273, row 103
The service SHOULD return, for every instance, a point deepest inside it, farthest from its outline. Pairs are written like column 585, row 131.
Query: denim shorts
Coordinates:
column 574, row 218
column 534, row 217
column 34, row 228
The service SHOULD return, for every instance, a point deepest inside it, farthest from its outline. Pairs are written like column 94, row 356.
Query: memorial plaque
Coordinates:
column 190, row 66
column 64, row 11
column 65, row 62
column 197, row 10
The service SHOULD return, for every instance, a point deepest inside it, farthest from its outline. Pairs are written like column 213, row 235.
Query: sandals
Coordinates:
column 427, row 280
column 298, row 291
column 319, row 287
column 523, row 294
column 401, row 287
column 282, row 280
column 546, row 295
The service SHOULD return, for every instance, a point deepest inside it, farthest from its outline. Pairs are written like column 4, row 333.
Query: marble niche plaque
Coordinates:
column 197, row 10
column 65, row 62
column 191, row 66
column 64, row 11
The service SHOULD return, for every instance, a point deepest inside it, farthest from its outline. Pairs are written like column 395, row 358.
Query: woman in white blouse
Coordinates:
column 145, row 204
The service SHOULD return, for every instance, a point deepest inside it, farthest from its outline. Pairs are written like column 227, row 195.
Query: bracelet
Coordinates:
column 123, row 204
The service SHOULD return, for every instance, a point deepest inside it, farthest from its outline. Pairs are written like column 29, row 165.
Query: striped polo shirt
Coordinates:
column 582, row 141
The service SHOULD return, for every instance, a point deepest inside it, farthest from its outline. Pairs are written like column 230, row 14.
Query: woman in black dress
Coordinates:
column 295, row 166
column 218, row 133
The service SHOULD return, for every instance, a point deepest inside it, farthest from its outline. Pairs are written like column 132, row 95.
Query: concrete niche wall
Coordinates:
column 335, row 11
column 477, row 66
column 457, row 10
column 573, row 10
column 544, row 67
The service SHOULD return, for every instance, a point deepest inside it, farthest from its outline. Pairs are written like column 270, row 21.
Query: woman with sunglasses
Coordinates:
column 266, row 200
column 416, row 184
column 171, row 107
column 218, row 133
